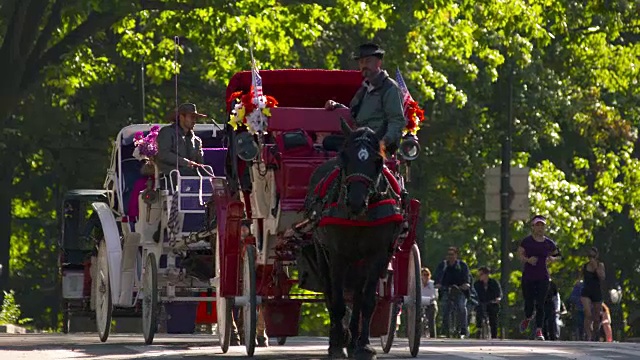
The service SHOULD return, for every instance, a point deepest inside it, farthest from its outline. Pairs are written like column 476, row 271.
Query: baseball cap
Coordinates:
column 538, row 219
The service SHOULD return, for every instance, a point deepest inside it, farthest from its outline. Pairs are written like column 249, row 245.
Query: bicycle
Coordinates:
column 426, row 311
column 453, row 296
column 485, row 329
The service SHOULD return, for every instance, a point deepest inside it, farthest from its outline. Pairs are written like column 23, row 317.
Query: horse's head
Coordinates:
column 362, row 160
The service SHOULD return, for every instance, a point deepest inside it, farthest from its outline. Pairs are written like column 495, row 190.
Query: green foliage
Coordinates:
column 11, row 312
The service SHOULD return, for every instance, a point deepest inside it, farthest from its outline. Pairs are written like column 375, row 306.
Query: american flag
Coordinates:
column 406, row 96
column 256, row 80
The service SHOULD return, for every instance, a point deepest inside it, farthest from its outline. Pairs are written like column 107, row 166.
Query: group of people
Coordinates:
column 542, row 302
column 455, row 289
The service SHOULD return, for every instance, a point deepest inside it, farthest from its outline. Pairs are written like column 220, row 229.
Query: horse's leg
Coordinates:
column 337, row 308
column 364, row 350
column 354, row 324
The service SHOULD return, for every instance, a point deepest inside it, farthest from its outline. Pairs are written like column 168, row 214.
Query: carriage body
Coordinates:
column 138, row 267
column 269, row 192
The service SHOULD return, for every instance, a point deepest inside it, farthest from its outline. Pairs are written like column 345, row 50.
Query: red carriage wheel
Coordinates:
column 386, row 341
column 249, row 311
column 224, row 307
column 414, row 301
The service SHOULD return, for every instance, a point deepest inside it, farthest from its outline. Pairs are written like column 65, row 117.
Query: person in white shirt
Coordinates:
column 429, row 296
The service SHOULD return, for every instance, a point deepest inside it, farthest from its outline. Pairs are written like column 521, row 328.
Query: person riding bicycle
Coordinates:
column 429, row 293
column 489, row 296
column 452, row 275
column 552, row 309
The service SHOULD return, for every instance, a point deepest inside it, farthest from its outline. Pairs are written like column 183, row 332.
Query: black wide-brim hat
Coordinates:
column 368, row 49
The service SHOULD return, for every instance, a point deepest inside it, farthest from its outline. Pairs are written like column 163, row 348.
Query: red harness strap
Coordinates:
column 323, row 185
column 388, row 203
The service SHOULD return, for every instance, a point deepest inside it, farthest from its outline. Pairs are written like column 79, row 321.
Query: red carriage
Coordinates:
column 262, row 198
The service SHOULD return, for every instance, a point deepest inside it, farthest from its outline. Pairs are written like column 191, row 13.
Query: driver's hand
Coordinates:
column 532, row 260
column 193, row 164
column 330, row 105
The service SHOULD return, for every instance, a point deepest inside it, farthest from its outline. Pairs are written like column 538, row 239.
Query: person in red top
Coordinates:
column 534, row 251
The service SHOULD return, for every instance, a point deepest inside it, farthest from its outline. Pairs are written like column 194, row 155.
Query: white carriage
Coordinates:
column 141, row 259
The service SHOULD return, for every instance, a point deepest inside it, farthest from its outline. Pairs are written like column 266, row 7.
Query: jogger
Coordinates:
column 534, row 251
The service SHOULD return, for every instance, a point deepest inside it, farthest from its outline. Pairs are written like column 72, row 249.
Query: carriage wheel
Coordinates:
column 282, row 340
column 249, row 315
column 224, row 308
column 103, row 293
column 150, row 298
column 65, row 317
column 414, row 305
column 387, row 340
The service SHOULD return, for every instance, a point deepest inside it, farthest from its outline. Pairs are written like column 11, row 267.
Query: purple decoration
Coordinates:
column 147, row 145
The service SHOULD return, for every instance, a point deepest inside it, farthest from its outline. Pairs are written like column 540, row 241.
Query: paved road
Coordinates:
column 197, row 347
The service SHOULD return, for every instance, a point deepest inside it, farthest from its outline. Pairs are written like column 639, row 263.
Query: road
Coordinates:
column 196, row 347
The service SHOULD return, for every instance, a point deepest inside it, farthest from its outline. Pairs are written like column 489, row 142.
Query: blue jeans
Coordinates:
column 461, row 307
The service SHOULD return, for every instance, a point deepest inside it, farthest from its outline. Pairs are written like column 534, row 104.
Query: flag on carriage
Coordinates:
column 406, row 96
column 412, row 112
column 256, row 80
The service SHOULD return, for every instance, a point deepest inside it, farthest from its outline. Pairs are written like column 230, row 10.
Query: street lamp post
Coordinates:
column 505, row 207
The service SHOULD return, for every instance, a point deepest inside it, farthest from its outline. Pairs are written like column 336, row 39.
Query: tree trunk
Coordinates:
column 6, row 179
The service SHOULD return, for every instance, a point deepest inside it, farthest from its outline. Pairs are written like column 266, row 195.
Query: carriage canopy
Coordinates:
column 302, row 88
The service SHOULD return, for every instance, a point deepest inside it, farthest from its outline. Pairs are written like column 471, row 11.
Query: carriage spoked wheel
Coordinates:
column 150, row 298
column 414, row 305
column 103, row 293
column 224, row 308
column 249, row 314
column 387, row 340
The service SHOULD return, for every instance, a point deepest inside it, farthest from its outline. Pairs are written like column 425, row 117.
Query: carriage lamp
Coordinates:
column 246, row 147
column 409, row 147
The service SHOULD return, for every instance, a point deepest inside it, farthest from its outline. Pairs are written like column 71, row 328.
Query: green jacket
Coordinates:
column 189, row 147
column 378, row 101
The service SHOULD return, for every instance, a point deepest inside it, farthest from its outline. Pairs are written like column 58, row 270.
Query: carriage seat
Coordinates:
column 295, row 158
column 189, row 201
column 215, row 157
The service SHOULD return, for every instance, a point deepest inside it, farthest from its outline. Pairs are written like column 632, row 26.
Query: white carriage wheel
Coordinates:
column 414, row 305
column 224, row 307
column 103, row 293
column 150, row 298
column 249, row 315
column 386, row 341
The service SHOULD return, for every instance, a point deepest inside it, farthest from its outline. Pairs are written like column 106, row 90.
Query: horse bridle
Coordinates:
column 370, row 183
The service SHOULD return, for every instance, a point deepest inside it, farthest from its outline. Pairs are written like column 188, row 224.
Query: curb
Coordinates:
column 14, row 329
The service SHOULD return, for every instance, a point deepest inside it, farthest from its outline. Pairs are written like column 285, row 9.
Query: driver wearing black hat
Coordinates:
column 378, row 102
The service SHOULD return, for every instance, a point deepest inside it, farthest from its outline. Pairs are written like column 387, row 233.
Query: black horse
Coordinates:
column 359, row 220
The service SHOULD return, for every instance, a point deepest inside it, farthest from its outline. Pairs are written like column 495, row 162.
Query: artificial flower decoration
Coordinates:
column 146, row 146
column 247, row 112
column 414, row 116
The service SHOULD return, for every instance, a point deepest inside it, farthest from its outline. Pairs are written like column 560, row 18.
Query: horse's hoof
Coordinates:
column 350, row 350
column 366, row 352
column 337, row 353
